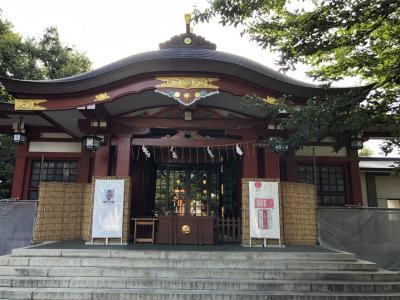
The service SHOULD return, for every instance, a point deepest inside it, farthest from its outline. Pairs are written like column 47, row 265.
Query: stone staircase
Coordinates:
column 33, row 273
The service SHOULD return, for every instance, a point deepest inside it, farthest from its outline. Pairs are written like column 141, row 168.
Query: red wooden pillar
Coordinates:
column 84, row 165
column 101, row 157
column 250, row 162
column 356, row 194
column 271, row 165
column 20, row 170
column 123, row 156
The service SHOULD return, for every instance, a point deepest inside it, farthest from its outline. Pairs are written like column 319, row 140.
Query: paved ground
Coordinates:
column 227, row 247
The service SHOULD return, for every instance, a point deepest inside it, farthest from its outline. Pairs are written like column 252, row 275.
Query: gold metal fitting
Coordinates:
column 188, row 18
column 185, row 229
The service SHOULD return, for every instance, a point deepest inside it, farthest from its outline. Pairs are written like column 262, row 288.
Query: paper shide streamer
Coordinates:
column 145, row 151
column 238, row 150
column 173, row 153
column 210, row 153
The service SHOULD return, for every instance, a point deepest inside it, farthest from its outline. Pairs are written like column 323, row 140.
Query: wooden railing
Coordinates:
column 229, row 230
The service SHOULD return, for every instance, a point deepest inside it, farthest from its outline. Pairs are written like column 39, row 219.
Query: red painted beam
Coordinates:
column 237, row 124
column 164, row 142
column 112, row 91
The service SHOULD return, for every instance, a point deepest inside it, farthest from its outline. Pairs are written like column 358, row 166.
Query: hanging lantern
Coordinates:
column 19, row 137
column 91, row 142
column 356, row 142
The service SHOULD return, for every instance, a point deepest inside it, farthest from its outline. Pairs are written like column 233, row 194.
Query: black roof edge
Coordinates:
column 169, row 61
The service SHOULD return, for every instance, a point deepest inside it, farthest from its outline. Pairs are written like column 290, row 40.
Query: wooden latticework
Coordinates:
column 229, row 230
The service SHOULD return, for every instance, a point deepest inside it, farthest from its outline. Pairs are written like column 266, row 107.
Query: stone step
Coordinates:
column 182, row 255
column 222, row 273
column 200, row 284
column 155, row 294
column 285, row 264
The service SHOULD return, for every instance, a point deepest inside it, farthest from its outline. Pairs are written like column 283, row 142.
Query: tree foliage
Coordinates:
column 338, row 39
column 366, row 152
column 7, row 155
column 28, row 58
column 45, row 58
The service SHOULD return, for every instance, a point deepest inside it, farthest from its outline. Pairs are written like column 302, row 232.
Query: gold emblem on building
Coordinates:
column 270, row 100
column 29, row 104
column 185, row 229
column 101, row 97
column 187, row 82
column 187, row 90
column 187, row 40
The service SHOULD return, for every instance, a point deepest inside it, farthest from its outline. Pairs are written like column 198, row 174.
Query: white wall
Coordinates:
column 66, row 147
column 363, row 189
column 387, row 187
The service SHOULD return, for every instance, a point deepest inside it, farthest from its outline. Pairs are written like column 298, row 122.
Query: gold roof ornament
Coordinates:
column 270, row 100
column 187, row 90
column 187, row 82
column 188, row 18
column 101, row 97
column 29, row 104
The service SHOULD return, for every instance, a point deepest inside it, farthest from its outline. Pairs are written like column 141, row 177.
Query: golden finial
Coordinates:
column 188, row 18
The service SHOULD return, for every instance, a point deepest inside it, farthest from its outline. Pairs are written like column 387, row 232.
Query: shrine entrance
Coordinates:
column 203, row 198
column 188, row 190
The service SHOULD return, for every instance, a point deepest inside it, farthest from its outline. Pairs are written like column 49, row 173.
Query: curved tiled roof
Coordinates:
column 178, row 59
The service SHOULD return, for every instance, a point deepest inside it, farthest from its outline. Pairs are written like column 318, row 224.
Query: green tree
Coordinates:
column 28, row 58
column 7, row 155
column 338, row 39
column 366, row 152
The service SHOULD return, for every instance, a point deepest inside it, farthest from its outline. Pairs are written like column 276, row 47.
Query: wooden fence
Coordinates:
column 229, row 230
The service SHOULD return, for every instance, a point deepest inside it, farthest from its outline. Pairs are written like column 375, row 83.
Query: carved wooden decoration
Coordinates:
column 29, row 104
column 187, row 90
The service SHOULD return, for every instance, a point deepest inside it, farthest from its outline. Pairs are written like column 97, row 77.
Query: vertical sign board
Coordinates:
column 264, row 210
column 108, row 208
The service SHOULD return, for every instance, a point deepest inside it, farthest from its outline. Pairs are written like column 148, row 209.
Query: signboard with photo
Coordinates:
column 108, row 208
column 264, row 210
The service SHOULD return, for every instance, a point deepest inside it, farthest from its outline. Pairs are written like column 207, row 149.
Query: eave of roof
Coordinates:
column 164, row 61
column 377, row 163
column 6, row 107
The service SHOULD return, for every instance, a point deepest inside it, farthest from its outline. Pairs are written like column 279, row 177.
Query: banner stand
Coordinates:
column 106, row 242
column 264, row 212
column 108, row 210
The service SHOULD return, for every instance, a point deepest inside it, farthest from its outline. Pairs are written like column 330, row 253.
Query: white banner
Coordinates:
column 108, row 208
column 264, row 210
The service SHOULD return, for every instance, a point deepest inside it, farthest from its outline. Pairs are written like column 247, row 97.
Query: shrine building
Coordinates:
column 172, row 124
